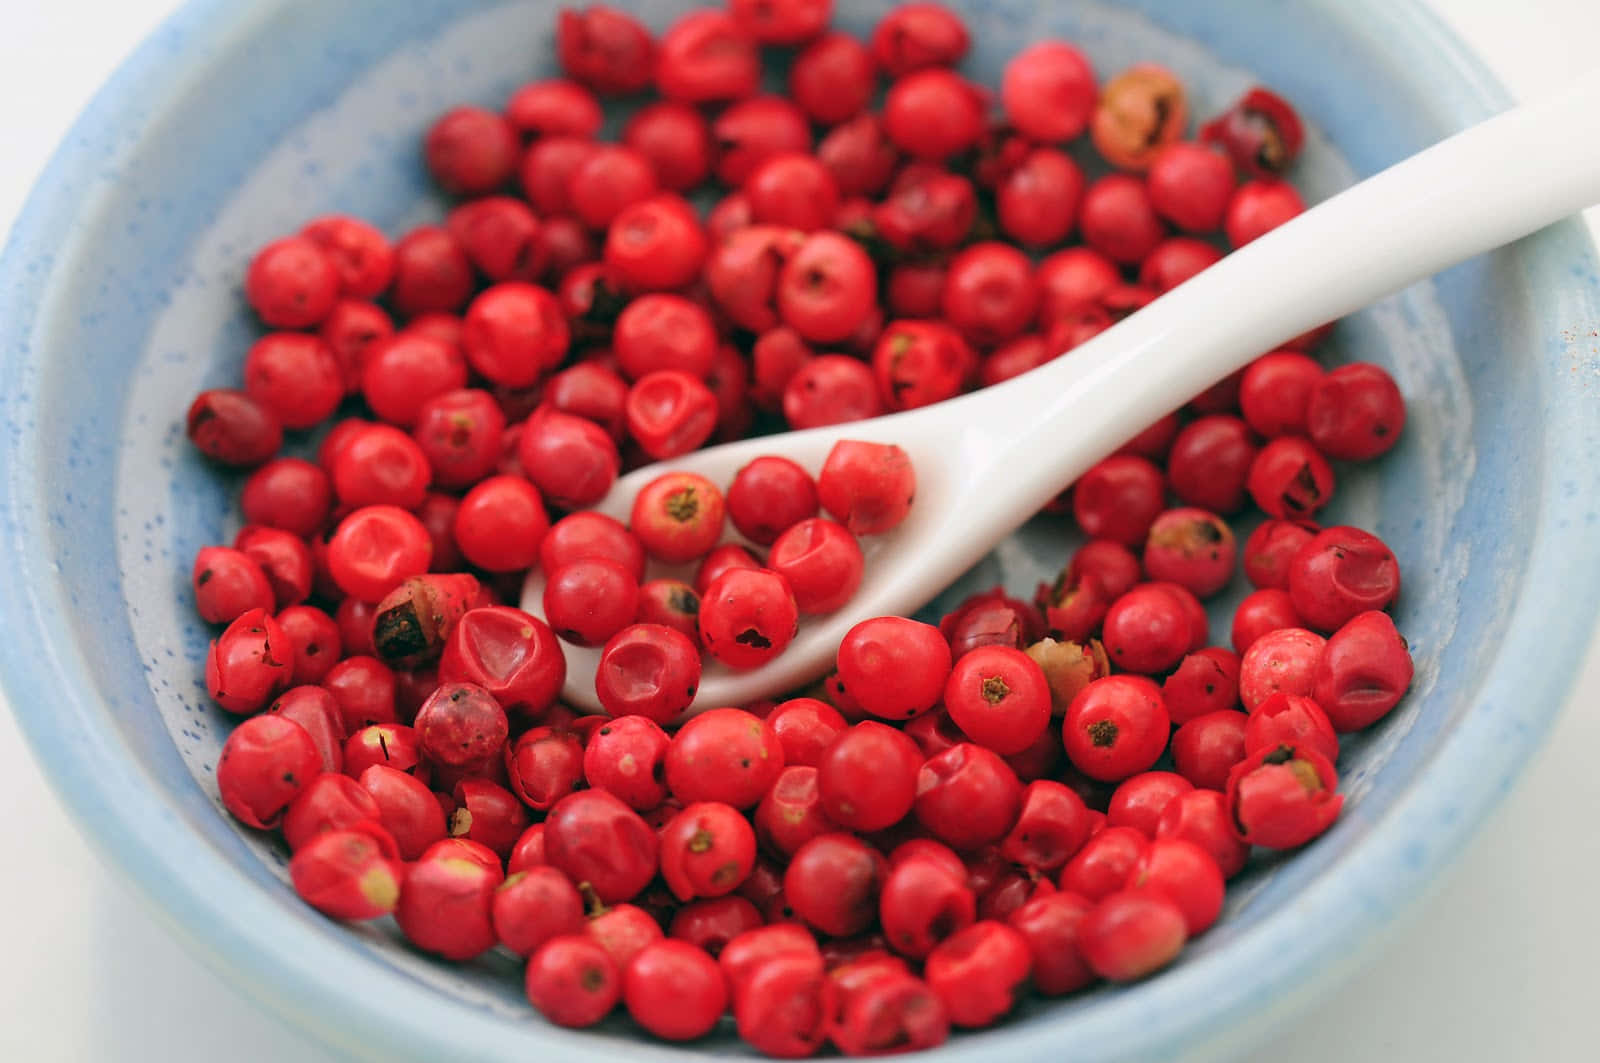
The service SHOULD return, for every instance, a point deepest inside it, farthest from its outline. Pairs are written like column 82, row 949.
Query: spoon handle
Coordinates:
column 1487, row 186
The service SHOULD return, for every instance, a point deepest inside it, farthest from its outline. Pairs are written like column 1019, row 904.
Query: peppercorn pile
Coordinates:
column 1032, row 796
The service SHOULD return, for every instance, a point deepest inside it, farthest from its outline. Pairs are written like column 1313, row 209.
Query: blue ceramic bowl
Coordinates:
column 119, row 298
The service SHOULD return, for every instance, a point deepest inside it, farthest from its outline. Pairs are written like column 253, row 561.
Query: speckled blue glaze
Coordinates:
column 235, row 122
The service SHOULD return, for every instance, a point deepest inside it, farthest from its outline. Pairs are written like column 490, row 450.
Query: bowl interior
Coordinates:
column 239, row 125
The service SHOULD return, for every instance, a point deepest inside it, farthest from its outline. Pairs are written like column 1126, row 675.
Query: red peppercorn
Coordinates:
column 832, row 79
column 978, row 972
column 926, row 210
column 828, row 287
column 605, row 49
column 1149, row 629
column 402, row 373
column 446, row 903
column 1340, row 572
column 405, row 809
column 1263, row 612
column 1174, row 260
column 915, row 36
column 707, row 850
column 500, row 236
column 676, row 140
column 894, row 668
column 1190, row 547
column 1116, row 727
column 1119, row 499
column 359, row 252
column 228, row 583
column 821, row 562
column 292, row 283
column 572, row 980
column 768, row 496
column 747, row 617
column 1190, row 185
column 1290, row 479
column 314, row 709
column 623, row 930
column 350, row 329
column 512, row 655
column 1140, row 111
column 650, row 670
column 791, row 812
column 868, row 487
column 379, row 465
column 1355, row 413
column 1206, row 748
column 588, row 601
column 249, row 663
column 998, row 696
column 296, row 376
column 677, row 517
column 706, row 57
column 833, row 882
column 725, row 755
column 392, row 744
column 793, row 190
column 584, row 535
column 431, row 272
column 1259, row 206
column 593, row 837
column 500, row 523
column 967, row 797
column 1364, row 671
column 1049, row 92
column 674, row 990
column 288, row 493
column 461, row 724
column 471, row 151
column 1131, row 934
column 1205, row 681
column 990, row 293
column 1275, row 391
column 710, row 924
column 349, row 874
column 1271, row 547
column 626, row 756
column 265, row 764
column 514, row 332
column 1201, row 816
column 934, row 114
column 1139, row 800
column 783, row 1006
column 867, row 778
column 670, row 412
column 1118, row 220
column 918, row 363
column 1038, row 200
column 1261, row 132
column 315, row 638
column 1290, row 719
column 284, row 559
column 1284, row 660
column 232, row 428
column 1283, row 797
column 859, row 155
column 488, row 814
column 830, row 389
column 545, row 764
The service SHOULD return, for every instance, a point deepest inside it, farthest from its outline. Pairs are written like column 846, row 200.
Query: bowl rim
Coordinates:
column 238, row 931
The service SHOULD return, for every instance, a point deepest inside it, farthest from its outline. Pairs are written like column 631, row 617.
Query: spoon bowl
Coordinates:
column 987, row 461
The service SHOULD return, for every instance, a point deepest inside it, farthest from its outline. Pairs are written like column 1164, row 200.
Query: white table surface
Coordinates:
column 1497, row 966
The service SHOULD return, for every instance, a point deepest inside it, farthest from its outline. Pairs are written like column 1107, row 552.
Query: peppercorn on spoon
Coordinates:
column 987, row 461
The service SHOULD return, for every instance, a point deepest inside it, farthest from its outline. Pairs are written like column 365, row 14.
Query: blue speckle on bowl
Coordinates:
column 234, row 123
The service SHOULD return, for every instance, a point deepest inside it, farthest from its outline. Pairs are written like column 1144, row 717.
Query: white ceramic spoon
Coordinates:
column 987, row 461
